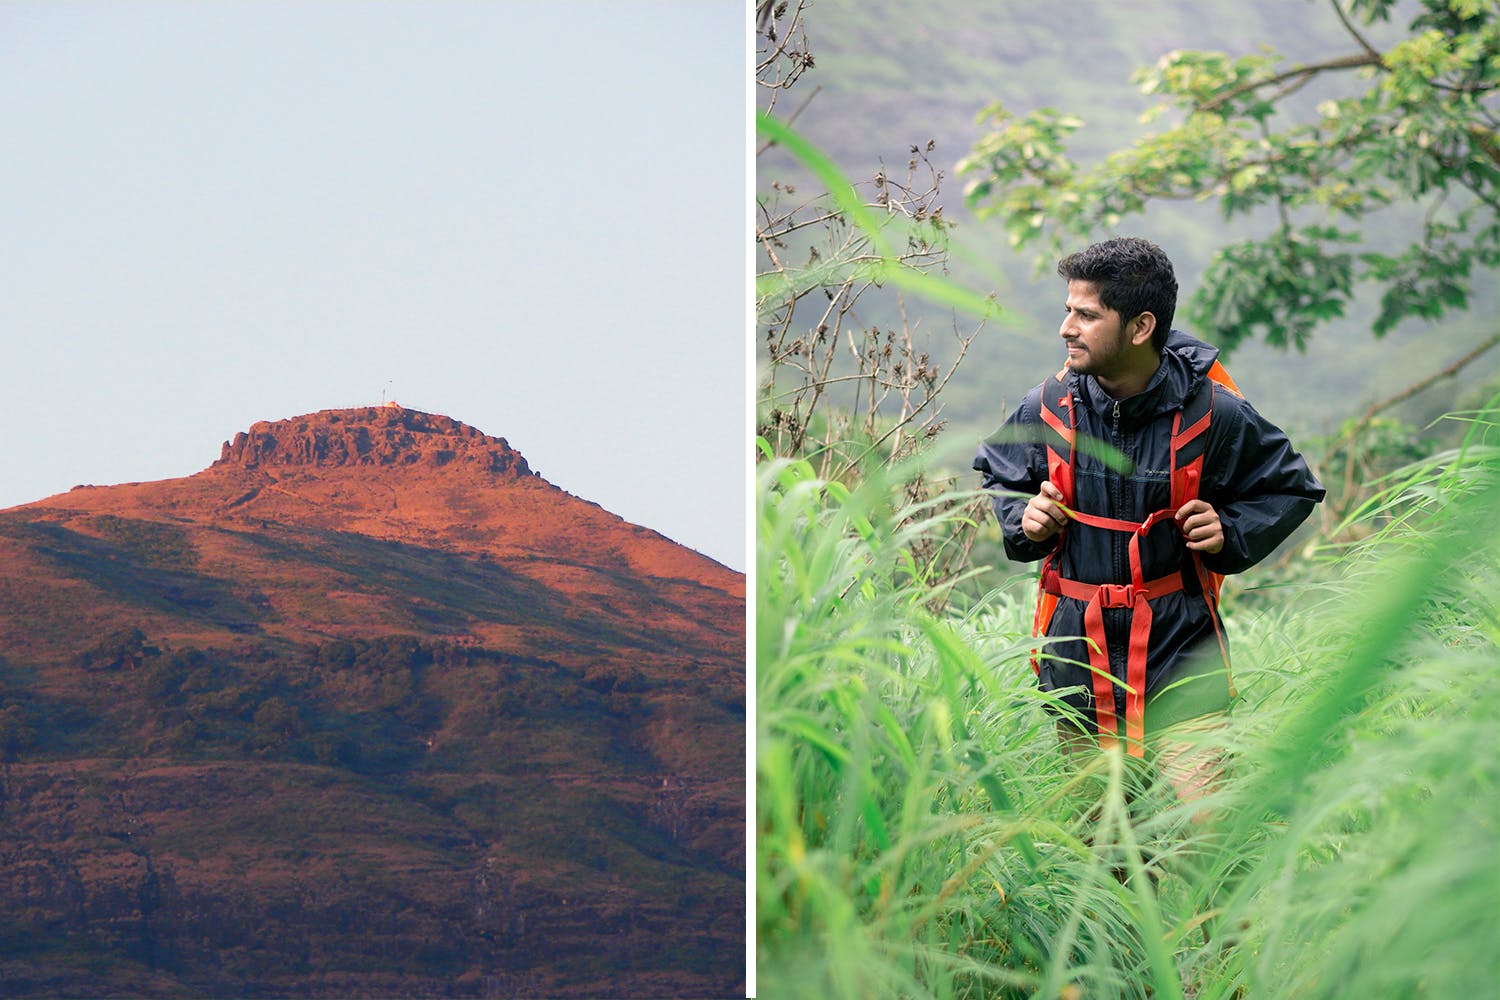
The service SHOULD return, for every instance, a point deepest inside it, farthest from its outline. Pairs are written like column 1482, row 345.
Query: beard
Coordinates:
column 1097, row 359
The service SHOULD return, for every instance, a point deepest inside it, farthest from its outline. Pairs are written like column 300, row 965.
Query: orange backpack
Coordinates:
column 1189, row 443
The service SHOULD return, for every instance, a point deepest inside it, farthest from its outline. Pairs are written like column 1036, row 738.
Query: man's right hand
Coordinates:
column 1044, row 515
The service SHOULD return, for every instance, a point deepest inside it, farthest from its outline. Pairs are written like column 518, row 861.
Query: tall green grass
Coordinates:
column 920, row 835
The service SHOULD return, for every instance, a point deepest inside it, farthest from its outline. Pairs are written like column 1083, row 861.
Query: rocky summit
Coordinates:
column 383, row 435
column 367, row 707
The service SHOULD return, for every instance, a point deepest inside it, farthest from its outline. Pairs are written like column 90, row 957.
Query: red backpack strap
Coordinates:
column 1046, row 606
column 1189, row 448
column 1190, row 434
column 1190, row 443
column 1060, row 436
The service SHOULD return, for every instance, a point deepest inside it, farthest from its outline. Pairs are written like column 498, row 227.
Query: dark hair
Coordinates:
column 1132, row 276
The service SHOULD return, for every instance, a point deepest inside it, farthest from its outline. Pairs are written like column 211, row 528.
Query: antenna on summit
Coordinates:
column 388, row 403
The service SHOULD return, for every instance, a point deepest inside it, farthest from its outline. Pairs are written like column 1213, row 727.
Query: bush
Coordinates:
column 17, row 734
column 117, row 650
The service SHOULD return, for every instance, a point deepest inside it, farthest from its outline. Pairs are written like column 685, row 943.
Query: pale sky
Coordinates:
column 527, row 216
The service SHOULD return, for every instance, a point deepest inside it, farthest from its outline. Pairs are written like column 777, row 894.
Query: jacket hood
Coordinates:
column 1199, row 355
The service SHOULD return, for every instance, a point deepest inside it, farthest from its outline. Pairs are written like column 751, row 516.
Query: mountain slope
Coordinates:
column 365, row 707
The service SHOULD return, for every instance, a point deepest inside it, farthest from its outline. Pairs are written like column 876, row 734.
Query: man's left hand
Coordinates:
column 1200, row 527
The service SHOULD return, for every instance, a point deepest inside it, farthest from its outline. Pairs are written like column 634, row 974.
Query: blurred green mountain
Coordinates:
column 889, row 76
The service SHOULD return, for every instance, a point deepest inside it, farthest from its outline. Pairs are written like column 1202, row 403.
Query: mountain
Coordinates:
column 365, row 708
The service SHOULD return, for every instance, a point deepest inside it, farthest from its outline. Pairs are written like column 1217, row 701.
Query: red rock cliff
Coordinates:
column 373, row 435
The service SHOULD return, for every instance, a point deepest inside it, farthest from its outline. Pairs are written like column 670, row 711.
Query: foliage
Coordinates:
column 119, row 649
column 1358, row 460
column 211, row 703
column 848, row 396
column 863, row 764
column 17, row 731
column 158, row 545
column 917, row 835
column 890, row 383
column 920, row 835
column 1379, row 817
column 462, row 807
column 365, row 705
column 887, row 383
column 848, row 245
column 782, row 52
column 1414, row 124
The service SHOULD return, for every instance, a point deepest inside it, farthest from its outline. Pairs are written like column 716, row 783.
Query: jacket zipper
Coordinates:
column 1118, row 550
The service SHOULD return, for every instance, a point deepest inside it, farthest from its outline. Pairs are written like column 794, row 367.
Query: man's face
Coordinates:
column 1093, row 333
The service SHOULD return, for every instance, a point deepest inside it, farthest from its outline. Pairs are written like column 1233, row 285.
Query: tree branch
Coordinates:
column 1486, row 141
column 963, row 349
column 1311, row 69
column 1419, row 385
column 1353, row 31
column 792, row 117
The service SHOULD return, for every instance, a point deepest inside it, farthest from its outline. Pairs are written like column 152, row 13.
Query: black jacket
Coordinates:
column 1260, row 486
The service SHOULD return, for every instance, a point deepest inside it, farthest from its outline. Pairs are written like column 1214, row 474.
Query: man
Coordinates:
column 1133, row 547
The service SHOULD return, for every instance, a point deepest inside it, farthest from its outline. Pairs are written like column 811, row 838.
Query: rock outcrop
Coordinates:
column 373, row 435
